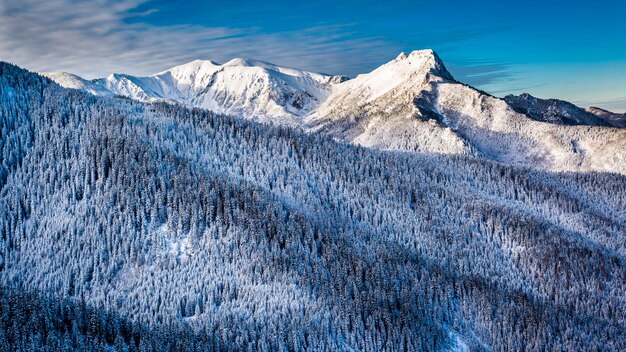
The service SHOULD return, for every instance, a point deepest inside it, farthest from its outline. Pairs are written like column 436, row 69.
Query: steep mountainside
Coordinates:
column 156, row 227
column 386, row 108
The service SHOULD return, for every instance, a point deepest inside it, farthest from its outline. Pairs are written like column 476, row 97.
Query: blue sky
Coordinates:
column 572, row 50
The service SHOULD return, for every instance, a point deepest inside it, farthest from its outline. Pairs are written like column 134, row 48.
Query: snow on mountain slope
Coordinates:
column 502, row 134
column 382, row 109
column 249, row 88
column 72, row 81
column 249, row 237
column 413, row 103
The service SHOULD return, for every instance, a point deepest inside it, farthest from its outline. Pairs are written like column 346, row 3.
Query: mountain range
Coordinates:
column 411, row 103
column 241, row 87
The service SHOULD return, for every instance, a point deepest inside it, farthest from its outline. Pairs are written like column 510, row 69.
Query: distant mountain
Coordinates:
column 617, row 120
column 555, row 111
column 411, row 103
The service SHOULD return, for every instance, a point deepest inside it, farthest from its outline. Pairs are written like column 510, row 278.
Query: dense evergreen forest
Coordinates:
column 130, row 226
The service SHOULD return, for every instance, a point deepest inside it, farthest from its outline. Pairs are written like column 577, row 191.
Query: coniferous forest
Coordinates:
column 146, row 227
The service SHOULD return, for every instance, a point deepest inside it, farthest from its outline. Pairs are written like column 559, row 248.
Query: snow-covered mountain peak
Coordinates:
column 413, row 103
column 419, row 65
column 559, row 112
column 392, row 84
column 192, row 67
column 432, row 61
column 409, row 103
column 272, row 69
column 245, row 87
column 247, row 62
column 424, row 53
column 261, row 90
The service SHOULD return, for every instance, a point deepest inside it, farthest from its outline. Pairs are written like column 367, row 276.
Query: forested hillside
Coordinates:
column 132, row 226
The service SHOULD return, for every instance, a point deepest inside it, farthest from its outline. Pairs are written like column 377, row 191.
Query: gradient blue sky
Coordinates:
column 573, row 50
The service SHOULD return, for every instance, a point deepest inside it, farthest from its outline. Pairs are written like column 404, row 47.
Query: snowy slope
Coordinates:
column 382, row 109
column 500, row 133
column 215, row 233
column 248, row 88
column 72, row 81
column 414, row 103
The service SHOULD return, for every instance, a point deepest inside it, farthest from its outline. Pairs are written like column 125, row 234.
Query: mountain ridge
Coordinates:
column 245, row 87
column 66, row 79
column 411, row 103
column 560, row 112
column 427, row 110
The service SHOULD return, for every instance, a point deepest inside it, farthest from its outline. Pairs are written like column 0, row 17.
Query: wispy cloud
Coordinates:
column 96, row 37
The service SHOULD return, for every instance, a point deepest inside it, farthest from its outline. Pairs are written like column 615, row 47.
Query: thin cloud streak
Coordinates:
column 98, row 37
column 94, row 38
